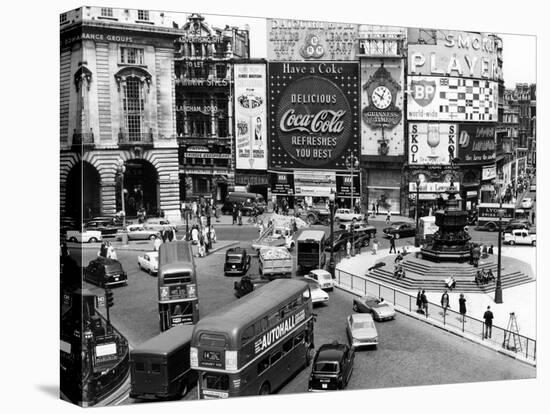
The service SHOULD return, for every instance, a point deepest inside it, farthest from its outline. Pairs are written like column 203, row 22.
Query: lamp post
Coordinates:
column 121, row 168
column 351, row 163
column 331, row 208
column 416, row 206
column 498, row 288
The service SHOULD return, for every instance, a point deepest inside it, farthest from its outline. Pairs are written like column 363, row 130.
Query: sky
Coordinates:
column 519, row 51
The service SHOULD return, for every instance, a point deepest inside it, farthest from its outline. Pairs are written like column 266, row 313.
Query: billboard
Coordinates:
column 314, row 183
column 432, row 144
column 451, row 99
column 315, row 113
column 476, row 143
column 489, row 172
column 302, row 40
column 382, row 107
column 250, row 116
column 458, row 54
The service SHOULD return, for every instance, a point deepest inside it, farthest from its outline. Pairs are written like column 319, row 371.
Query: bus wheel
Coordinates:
column 266, row 389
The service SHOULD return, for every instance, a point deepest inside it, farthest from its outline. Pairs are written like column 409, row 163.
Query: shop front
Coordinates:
column 383, row 189
column 432, row 190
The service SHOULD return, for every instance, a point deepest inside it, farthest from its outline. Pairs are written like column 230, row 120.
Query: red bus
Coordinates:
column 255, row 344
column 178, row 297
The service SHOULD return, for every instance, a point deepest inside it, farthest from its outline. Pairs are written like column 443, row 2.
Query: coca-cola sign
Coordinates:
column 314, row 114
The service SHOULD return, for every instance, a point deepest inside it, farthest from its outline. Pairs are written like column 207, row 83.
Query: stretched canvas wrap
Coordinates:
column 255, row 206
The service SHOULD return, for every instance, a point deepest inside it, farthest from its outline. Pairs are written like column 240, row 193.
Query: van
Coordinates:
column 244, row 199
column 160, row 368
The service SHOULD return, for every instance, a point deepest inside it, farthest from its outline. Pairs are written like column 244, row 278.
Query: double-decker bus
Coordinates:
column 255, row 344
column 177, row 285
column 311, row 250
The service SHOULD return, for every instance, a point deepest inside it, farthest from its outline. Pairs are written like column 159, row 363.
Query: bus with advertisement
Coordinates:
column 178, row 298
column 255, row 344
column 488, row 217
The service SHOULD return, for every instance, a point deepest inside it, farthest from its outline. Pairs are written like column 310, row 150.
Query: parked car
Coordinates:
column 318, row 295
column 139, row 232
column 246, row 200
column 527, row 203
column 67, row 223
column 322, row 277
column 105, row 226
column 380, row 309
column 346, row 214
column 114, row 220
column 248, row 284
column 359, row 228
column 400, row 229
column 157, row 224
column 85, row 236
column 149, row 262
column 237, row 261
column 332, row 367
column 517, row 224
column 315, row 215
column 520, row 237
column 361, row 330
column 105, row 272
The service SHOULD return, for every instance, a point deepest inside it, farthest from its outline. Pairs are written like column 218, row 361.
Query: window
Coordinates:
column 299, row 339
column 143, row 14
column 133, row 108
column 106, row 12
column 131, row 56
column 140, row 366
column 287, row 346
column 63, row 18
column 260, row 326
column 274, row 319
column 155, row 367
column 221, row 71
column 248, row 334
column 263, row 365
column 275, row 357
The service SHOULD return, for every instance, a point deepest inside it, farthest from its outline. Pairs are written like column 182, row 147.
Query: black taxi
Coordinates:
column 332, row 367
column 105, row 272
column 237, row 261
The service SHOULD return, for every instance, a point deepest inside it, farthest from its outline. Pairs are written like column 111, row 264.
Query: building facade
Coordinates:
column 117, row 113
column 203, row 58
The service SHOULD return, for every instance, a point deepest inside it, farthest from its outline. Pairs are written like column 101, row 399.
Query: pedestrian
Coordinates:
column 213, row 234
column 201, row 248
column 111, row 253
column 348, row 249
column 483, row 251
column 392, row 244
column 419, row 301
column 195, row 234
column 240, row 215
column 163, row 235
column 533, row 218
column 103, row 249
column 157, row 243
column 424, row 300
column 377, row 206
column 375, row 246
column 462, row 306
column 488, row 317
column 388, row 217
column 235, row 213
column 373, row 209
column 490, row 251
column 445, row 302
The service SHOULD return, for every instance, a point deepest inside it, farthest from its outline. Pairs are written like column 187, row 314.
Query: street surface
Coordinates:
column 410, row 352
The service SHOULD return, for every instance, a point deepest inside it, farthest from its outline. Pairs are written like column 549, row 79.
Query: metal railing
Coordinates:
column 134, row 138
column 83, row 138
column 501, row 337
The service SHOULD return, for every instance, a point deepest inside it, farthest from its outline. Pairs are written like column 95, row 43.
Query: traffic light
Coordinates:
column 109, row 297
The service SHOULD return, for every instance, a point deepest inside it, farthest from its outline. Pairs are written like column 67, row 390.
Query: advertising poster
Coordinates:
column 302, row 40
column 250, row 116
column 476, row 143
column 315, row 112
column 455, row 54
column 282, row 183
column 314, row 183
column 489, row 172
column 344, row 185
column 451, row 99
column 382, row 107
column 432, row 144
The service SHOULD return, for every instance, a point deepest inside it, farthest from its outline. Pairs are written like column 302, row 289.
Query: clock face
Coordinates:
column 381, row 97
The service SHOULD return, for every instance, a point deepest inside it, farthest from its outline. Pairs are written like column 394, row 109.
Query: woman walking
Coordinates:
column 462, row 307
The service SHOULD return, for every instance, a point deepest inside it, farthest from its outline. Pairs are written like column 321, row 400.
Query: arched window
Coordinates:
column 133, row 86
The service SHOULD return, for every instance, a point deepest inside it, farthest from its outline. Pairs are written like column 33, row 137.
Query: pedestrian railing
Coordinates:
column 500, row 337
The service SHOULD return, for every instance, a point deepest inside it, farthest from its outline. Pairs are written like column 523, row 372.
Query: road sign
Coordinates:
column 100, row 301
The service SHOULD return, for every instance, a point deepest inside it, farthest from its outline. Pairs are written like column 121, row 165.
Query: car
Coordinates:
column 332, row 367
column 67, row 223
column 149, row 262
column 400, row 229
column 139, row 232
column 157, row 224
column 114, row 220
column 517, row 224
column 359, row 228
column 248, row 284
column 346, row 214
column 322, row 277
column 105, row 226
column 380, row 309
column 84, row 236
column 105, row 272
column 520, row 237
column 237, row 261
column 318, row 295
column 315, row 215
column 361, row 330
column 527, row 203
